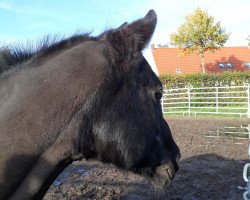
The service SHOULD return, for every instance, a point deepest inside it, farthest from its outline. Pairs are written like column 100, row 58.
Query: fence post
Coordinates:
column 217, row 99
column 189, row 101
column 248, row 100
column 162, row 105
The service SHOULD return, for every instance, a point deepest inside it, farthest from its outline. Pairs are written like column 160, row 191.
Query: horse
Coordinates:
column 82, row 97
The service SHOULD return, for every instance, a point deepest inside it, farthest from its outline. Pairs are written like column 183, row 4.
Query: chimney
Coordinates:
column 152, row 47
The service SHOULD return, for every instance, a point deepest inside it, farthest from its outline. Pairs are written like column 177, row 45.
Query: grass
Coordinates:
column 202, row 112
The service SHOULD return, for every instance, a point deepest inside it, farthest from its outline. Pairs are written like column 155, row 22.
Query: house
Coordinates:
column 168, row 60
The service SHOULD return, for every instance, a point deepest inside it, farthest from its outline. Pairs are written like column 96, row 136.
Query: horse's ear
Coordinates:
column 141, row 30
column 124, row 24
column 134, row 36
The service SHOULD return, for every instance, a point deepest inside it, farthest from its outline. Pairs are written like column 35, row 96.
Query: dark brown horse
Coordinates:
column 82, row 97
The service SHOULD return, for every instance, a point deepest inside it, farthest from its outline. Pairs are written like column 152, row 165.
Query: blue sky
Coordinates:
column 29, row 19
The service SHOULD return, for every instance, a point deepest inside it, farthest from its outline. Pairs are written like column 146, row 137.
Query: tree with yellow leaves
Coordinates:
column 199, row 34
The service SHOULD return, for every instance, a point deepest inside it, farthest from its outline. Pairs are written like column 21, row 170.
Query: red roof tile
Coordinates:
column 168, row 60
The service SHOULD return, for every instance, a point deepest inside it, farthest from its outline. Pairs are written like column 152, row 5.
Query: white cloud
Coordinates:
column 28, row 10
column 24, row 9
column 5, row 6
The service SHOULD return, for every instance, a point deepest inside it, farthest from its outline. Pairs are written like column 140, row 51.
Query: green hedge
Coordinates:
column 206, row 80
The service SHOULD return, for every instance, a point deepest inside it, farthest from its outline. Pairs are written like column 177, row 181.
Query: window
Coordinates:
column 247, row 65
column 229, row 65
column 178, row 71
column 221, row 65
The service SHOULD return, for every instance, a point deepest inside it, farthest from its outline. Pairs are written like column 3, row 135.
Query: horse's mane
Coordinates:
column 12, row 55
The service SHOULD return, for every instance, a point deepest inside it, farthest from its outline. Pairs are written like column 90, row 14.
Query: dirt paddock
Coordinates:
column 210, row 168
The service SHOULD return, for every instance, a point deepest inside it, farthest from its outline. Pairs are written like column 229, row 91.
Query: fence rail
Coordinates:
column 233, row 100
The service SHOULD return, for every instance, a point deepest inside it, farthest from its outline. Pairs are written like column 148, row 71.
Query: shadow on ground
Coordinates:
column 207, row 176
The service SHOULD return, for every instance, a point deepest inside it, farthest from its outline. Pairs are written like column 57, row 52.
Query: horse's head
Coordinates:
column 95, row 97
column 127, row 124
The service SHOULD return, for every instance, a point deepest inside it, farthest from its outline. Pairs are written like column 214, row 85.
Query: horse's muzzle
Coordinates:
column 165, row 173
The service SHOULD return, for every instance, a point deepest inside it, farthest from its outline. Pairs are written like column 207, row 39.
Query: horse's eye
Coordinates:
column 158, row 95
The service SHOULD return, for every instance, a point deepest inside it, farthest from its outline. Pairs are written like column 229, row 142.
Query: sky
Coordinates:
column 29, row 19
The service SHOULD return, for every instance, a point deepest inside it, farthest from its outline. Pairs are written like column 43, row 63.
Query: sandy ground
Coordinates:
column 210, row 168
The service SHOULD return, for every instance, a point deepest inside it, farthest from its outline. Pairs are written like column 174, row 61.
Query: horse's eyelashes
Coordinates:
column 158, row 95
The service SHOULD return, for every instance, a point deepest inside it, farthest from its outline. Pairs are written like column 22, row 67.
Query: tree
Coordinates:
column 199, row 34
